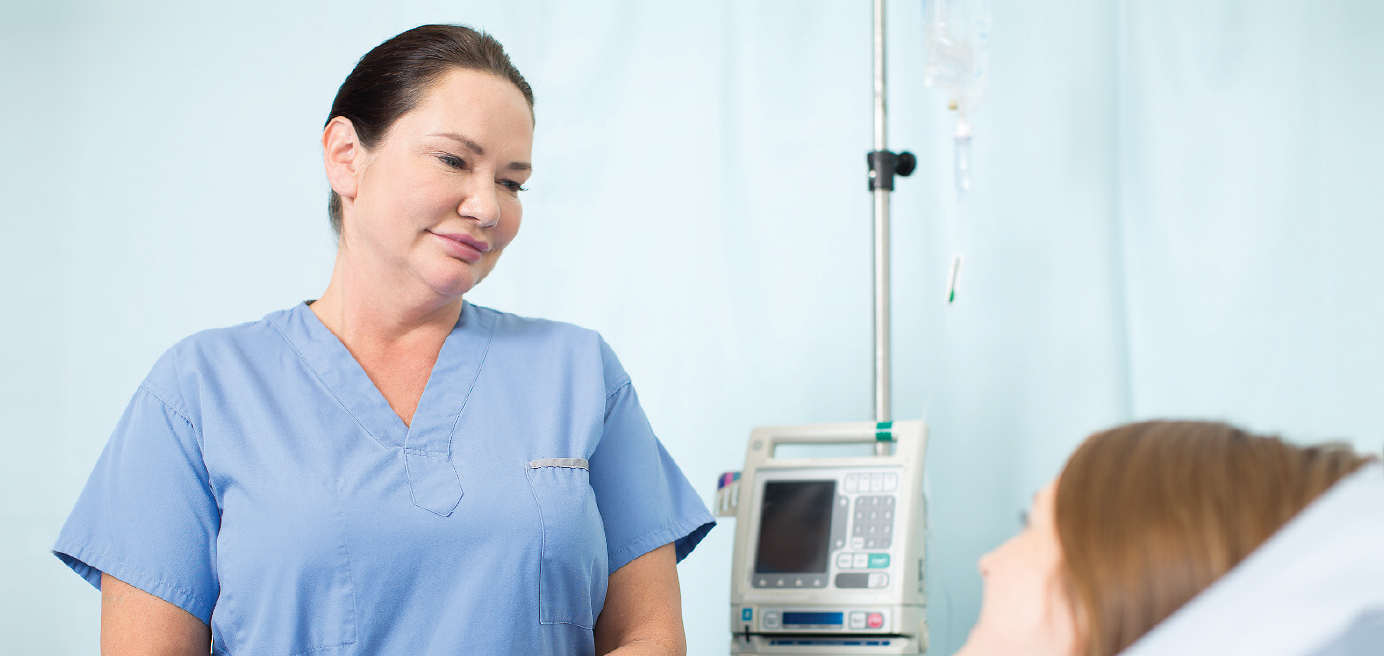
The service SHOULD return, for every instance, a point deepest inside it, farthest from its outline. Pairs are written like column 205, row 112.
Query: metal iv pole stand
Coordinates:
column 883, row 166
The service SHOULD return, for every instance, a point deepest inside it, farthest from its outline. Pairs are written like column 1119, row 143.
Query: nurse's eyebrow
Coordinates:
column 469, row 143
column 476, row 148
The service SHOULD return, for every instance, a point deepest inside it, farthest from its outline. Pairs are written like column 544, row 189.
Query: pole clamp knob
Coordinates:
column 884, row 165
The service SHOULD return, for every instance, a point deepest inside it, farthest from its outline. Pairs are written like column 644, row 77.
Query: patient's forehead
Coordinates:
column 1045, row 496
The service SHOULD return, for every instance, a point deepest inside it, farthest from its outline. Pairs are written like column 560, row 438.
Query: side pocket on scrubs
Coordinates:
column 573, row 569
column 284, row 570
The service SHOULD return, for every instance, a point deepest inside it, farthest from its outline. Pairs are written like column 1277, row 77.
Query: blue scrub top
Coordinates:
column 260, row 481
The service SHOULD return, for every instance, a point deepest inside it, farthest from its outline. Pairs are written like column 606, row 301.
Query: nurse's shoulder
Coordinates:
column 545, row 342
column 213, row 360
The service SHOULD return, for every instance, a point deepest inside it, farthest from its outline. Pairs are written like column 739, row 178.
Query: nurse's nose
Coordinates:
column 481, row 204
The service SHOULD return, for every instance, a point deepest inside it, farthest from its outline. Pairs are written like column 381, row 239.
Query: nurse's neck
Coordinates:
column 370, row 304
column 394, row 338
column 355, row 320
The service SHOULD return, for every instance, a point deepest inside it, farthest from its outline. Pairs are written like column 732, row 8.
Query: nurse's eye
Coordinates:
column 1023, row 518
column 452, row 161
column 513, row 186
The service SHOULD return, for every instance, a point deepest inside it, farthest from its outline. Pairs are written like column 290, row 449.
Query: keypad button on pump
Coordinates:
column 860, row 560
column 848, row 580
column 843, row 560
column 879, row 580
column 891, row 482
column 874, row 620
column 858, row 619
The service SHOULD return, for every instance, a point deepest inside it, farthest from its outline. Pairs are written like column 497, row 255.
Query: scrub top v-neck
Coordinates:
column 260, row 481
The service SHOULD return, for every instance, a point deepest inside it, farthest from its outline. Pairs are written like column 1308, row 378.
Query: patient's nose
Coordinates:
column 983, row 564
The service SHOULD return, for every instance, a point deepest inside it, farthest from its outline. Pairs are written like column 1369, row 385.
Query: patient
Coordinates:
column 1143, row 517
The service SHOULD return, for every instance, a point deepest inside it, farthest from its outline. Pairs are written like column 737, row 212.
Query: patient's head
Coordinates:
column 1142, row 518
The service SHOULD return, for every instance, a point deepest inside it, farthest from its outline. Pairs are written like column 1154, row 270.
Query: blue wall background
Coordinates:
column 1176, row 211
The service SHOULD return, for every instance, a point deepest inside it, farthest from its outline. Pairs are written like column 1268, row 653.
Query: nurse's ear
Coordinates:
column 343, row 156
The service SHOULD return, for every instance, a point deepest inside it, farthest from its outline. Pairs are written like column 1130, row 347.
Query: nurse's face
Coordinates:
column 1025, row 609
column 437, row 200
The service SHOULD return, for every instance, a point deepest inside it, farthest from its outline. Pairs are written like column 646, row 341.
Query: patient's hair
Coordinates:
column 1150, row 514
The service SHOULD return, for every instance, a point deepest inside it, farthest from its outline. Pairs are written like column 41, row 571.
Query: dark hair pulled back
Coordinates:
column 390, row 80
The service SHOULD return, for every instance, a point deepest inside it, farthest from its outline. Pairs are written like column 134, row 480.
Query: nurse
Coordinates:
column 390, row 469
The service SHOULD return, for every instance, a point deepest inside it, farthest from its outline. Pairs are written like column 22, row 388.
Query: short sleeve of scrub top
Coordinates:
column 259, row 481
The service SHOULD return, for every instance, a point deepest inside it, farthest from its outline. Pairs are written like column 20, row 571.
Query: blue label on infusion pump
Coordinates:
column 813, row 619
column 746, row 614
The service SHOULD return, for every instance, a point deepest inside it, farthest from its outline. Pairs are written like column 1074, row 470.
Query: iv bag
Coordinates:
column 956, row 38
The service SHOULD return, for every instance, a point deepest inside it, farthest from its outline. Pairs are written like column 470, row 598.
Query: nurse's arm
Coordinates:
column 643, row 608
column 136, row 622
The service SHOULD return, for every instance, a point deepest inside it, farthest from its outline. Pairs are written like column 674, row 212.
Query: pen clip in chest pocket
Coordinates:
column 573, row 568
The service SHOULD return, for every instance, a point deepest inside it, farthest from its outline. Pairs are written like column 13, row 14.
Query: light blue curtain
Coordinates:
column 1252, row 202
column 1174, row 212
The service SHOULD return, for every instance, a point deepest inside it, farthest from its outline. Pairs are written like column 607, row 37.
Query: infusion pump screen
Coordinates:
column 795, row 527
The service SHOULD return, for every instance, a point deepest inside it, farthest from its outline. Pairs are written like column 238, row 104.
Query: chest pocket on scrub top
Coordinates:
column 573, row 568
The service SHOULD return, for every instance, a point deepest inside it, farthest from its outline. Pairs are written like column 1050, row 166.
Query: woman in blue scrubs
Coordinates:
column 390, row 469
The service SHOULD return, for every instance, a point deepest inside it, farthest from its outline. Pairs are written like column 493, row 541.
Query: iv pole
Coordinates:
column 883, row 166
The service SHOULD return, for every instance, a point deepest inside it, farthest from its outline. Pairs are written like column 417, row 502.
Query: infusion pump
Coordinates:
column 829, row 550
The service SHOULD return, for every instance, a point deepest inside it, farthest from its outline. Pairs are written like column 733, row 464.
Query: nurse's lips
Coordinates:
column 463, row 246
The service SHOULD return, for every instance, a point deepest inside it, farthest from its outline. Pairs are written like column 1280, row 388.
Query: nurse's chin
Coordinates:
column 454, row 278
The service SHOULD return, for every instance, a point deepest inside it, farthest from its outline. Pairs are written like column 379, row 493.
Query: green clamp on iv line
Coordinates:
column 884, row 431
